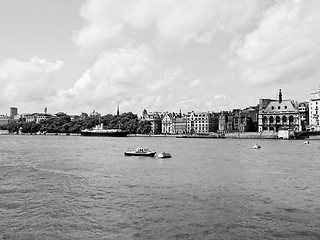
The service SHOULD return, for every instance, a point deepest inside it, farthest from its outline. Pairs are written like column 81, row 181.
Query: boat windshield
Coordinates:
column 142, row 149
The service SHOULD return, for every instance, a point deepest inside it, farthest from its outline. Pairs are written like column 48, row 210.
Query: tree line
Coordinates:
column 127, row 122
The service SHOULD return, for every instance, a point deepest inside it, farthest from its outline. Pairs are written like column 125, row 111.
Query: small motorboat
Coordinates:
column 164, row 155
column 256, row 146
column 140, row 151
column 306, row 142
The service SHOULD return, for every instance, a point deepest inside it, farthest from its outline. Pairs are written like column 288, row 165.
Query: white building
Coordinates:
column 166, row 123
column 314, row 104
column 34, row 117
column 41, row 117
column 199, row 122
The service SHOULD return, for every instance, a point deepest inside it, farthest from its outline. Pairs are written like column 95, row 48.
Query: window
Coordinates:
column 284, row 119
column 272, row 107
column 285, row 107
column 271, row 119
column 278, row 107
column 291, row 119
column 264, row 120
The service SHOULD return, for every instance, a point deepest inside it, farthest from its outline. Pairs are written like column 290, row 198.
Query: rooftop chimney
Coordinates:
column 280, row 96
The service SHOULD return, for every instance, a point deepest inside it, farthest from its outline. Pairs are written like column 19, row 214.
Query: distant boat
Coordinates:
column 256, row 146
column 140, row 151
column 164, row 155
column 306, row 142
column 99, row 131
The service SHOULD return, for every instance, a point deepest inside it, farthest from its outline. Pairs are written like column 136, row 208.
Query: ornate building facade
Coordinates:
column 179, row 124
column 275, row 115
column 200, row 123
column 238, row 120
column 166, row 123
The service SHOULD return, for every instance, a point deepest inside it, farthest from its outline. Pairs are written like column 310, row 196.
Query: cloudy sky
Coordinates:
column 161, row 55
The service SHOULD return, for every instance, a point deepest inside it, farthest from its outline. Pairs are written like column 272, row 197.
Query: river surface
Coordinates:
column 72, row 187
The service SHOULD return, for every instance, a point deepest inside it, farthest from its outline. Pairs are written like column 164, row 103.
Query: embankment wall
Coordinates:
column 252, row 135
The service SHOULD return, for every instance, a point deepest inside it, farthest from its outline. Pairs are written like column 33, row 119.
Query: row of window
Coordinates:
column 272, row 107
column 197, row 122
column 196, row 119
column 271, row 119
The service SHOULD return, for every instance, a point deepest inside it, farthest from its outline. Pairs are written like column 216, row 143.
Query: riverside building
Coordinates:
column 200, row 123
column 275, row 115
column 155, row 119
column 166, row 123
column 314, row 104
column 179, row 124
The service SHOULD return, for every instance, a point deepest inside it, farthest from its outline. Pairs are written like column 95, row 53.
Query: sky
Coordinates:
column 161, row 55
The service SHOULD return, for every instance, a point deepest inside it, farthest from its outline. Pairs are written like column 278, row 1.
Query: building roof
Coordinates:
column 280, row 107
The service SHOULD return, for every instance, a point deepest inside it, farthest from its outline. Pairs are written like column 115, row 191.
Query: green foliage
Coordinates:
column 127, row 121
column 12, row 127
column 144, row 127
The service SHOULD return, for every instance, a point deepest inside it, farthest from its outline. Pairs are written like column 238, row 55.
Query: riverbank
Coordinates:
column 238, row 135
column 252, row 135
column 234, row 135
column 153, row 135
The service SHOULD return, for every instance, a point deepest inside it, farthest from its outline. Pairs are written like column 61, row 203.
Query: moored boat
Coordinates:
column 99, row 131
column 164, row 155
column 140, row 151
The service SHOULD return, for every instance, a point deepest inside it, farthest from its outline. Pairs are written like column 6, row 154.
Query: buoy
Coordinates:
column 256, row 146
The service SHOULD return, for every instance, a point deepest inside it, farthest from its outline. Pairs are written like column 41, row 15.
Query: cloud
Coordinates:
column 284, row 46
column 133, row 79
column 123, row 76
column 129, row 38
column 27, row 81
column 163, row 23
column 195, row 83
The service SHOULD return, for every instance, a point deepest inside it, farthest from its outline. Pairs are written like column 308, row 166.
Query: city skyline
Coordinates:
column 77, row 56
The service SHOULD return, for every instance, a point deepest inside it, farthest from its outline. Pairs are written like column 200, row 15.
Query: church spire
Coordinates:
column 118, row 112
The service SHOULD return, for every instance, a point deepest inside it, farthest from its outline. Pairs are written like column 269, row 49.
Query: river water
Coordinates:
column 72, row 187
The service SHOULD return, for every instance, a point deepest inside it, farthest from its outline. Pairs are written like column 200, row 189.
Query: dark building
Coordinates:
column 155, row 119
column 13, row 112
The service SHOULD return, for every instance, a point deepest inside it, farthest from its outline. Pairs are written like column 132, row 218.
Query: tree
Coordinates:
column 126, row 121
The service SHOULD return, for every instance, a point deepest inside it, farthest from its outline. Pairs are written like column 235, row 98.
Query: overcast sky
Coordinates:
column 160, row 55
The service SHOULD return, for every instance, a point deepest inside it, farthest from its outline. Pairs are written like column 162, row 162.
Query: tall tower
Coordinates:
column 118, row 112
column 280, row 96
column 13, row 111
column 45, row 110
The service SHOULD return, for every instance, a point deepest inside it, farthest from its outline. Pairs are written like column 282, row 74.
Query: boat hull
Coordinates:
column 104, row 134
column 164, row 155
column 148, row 154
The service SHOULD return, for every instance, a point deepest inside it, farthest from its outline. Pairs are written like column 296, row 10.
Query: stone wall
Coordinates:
column 253, row 135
